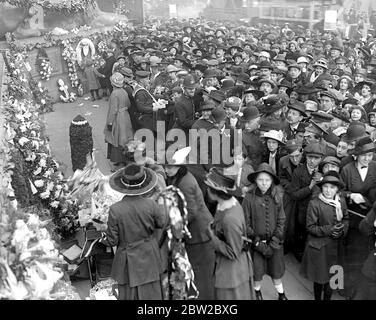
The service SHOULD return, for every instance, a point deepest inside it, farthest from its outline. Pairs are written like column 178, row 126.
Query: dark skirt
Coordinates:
column 273, row 266
column 148, row 291
column 115, row 154
column 316, row 263
column 202, row 259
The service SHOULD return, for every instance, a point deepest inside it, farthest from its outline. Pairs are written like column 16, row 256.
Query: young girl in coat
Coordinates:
column 327, row 225
column 272, row 153
column 92, row 76
column 265, row 219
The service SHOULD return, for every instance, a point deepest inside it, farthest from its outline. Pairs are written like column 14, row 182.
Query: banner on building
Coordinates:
column 330, row 22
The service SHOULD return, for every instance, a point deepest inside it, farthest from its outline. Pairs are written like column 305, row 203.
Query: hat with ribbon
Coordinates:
column 133, row 180
column 364, row 145
column 216, row 180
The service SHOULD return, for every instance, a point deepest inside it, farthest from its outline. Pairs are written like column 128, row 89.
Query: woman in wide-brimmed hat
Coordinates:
column 327, row 225
column 265, row 218
column 199, row 247
column 132, row 222
column 118, row 129
column 273, row 148
column 233, row 273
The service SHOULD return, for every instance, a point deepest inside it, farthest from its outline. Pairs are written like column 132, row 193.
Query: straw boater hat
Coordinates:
column 216, row 180
column 133, row 180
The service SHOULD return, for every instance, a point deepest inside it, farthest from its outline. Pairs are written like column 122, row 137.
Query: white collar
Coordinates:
column 227, row 204
column 294, row 126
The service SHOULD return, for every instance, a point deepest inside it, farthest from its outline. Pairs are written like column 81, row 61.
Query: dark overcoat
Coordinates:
column 322, row 251
column 132, row 223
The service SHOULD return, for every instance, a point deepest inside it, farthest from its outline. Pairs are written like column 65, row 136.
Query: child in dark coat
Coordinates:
column 92, row 75
column 265, row 219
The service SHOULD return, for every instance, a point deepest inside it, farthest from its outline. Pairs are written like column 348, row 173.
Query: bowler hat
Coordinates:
column 265, row 65
column 218, row 114
column 266, row 168
column 256, row 93
column 355, row 132
column 250, row 113
column 267, row 124
column 320, row 117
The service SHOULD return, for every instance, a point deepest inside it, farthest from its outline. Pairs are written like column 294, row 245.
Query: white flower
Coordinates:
column 50, row 186
column 23, row 140
column 23, row 128
column 42, row 162
column 38, row 171
column 45, row 195
column 54, row 204
column 39, row 183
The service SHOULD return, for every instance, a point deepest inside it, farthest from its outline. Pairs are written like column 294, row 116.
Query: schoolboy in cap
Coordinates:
column 302, row 189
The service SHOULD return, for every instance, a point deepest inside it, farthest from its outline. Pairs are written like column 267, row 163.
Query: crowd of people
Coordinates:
column 302, row 178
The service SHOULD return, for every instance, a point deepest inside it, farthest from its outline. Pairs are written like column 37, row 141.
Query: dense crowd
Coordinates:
column 302, row 177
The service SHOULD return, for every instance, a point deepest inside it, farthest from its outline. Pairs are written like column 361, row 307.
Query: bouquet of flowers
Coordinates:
column 45, row 68
column 180, row 278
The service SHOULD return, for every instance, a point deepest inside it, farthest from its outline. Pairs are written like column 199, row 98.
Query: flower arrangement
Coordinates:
column 180, row 278
column 45, row 68
column 66, row 96
column 38, row 173
column 41, row 96
column 70, row 56
column 103, row 47
column 30, row 264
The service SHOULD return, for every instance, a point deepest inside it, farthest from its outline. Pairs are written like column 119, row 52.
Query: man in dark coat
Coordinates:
column 251, row 142
column 287, row 165
column 302, row 188
column 184, row 107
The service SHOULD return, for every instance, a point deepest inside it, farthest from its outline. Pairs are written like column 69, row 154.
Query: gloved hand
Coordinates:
column 337, row 230
column 264, row 249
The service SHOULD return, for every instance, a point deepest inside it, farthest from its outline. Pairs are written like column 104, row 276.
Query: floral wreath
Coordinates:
column 83, row 44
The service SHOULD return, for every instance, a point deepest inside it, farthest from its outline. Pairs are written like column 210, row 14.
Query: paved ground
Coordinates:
column 57, row 122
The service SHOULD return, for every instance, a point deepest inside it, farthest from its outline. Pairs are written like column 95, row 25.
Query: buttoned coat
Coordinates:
column 322, row 251
column 132, row 223
column 265, row 218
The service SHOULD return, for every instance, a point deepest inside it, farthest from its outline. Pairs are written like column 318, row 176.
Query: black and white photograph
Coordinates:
column 198, row 152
